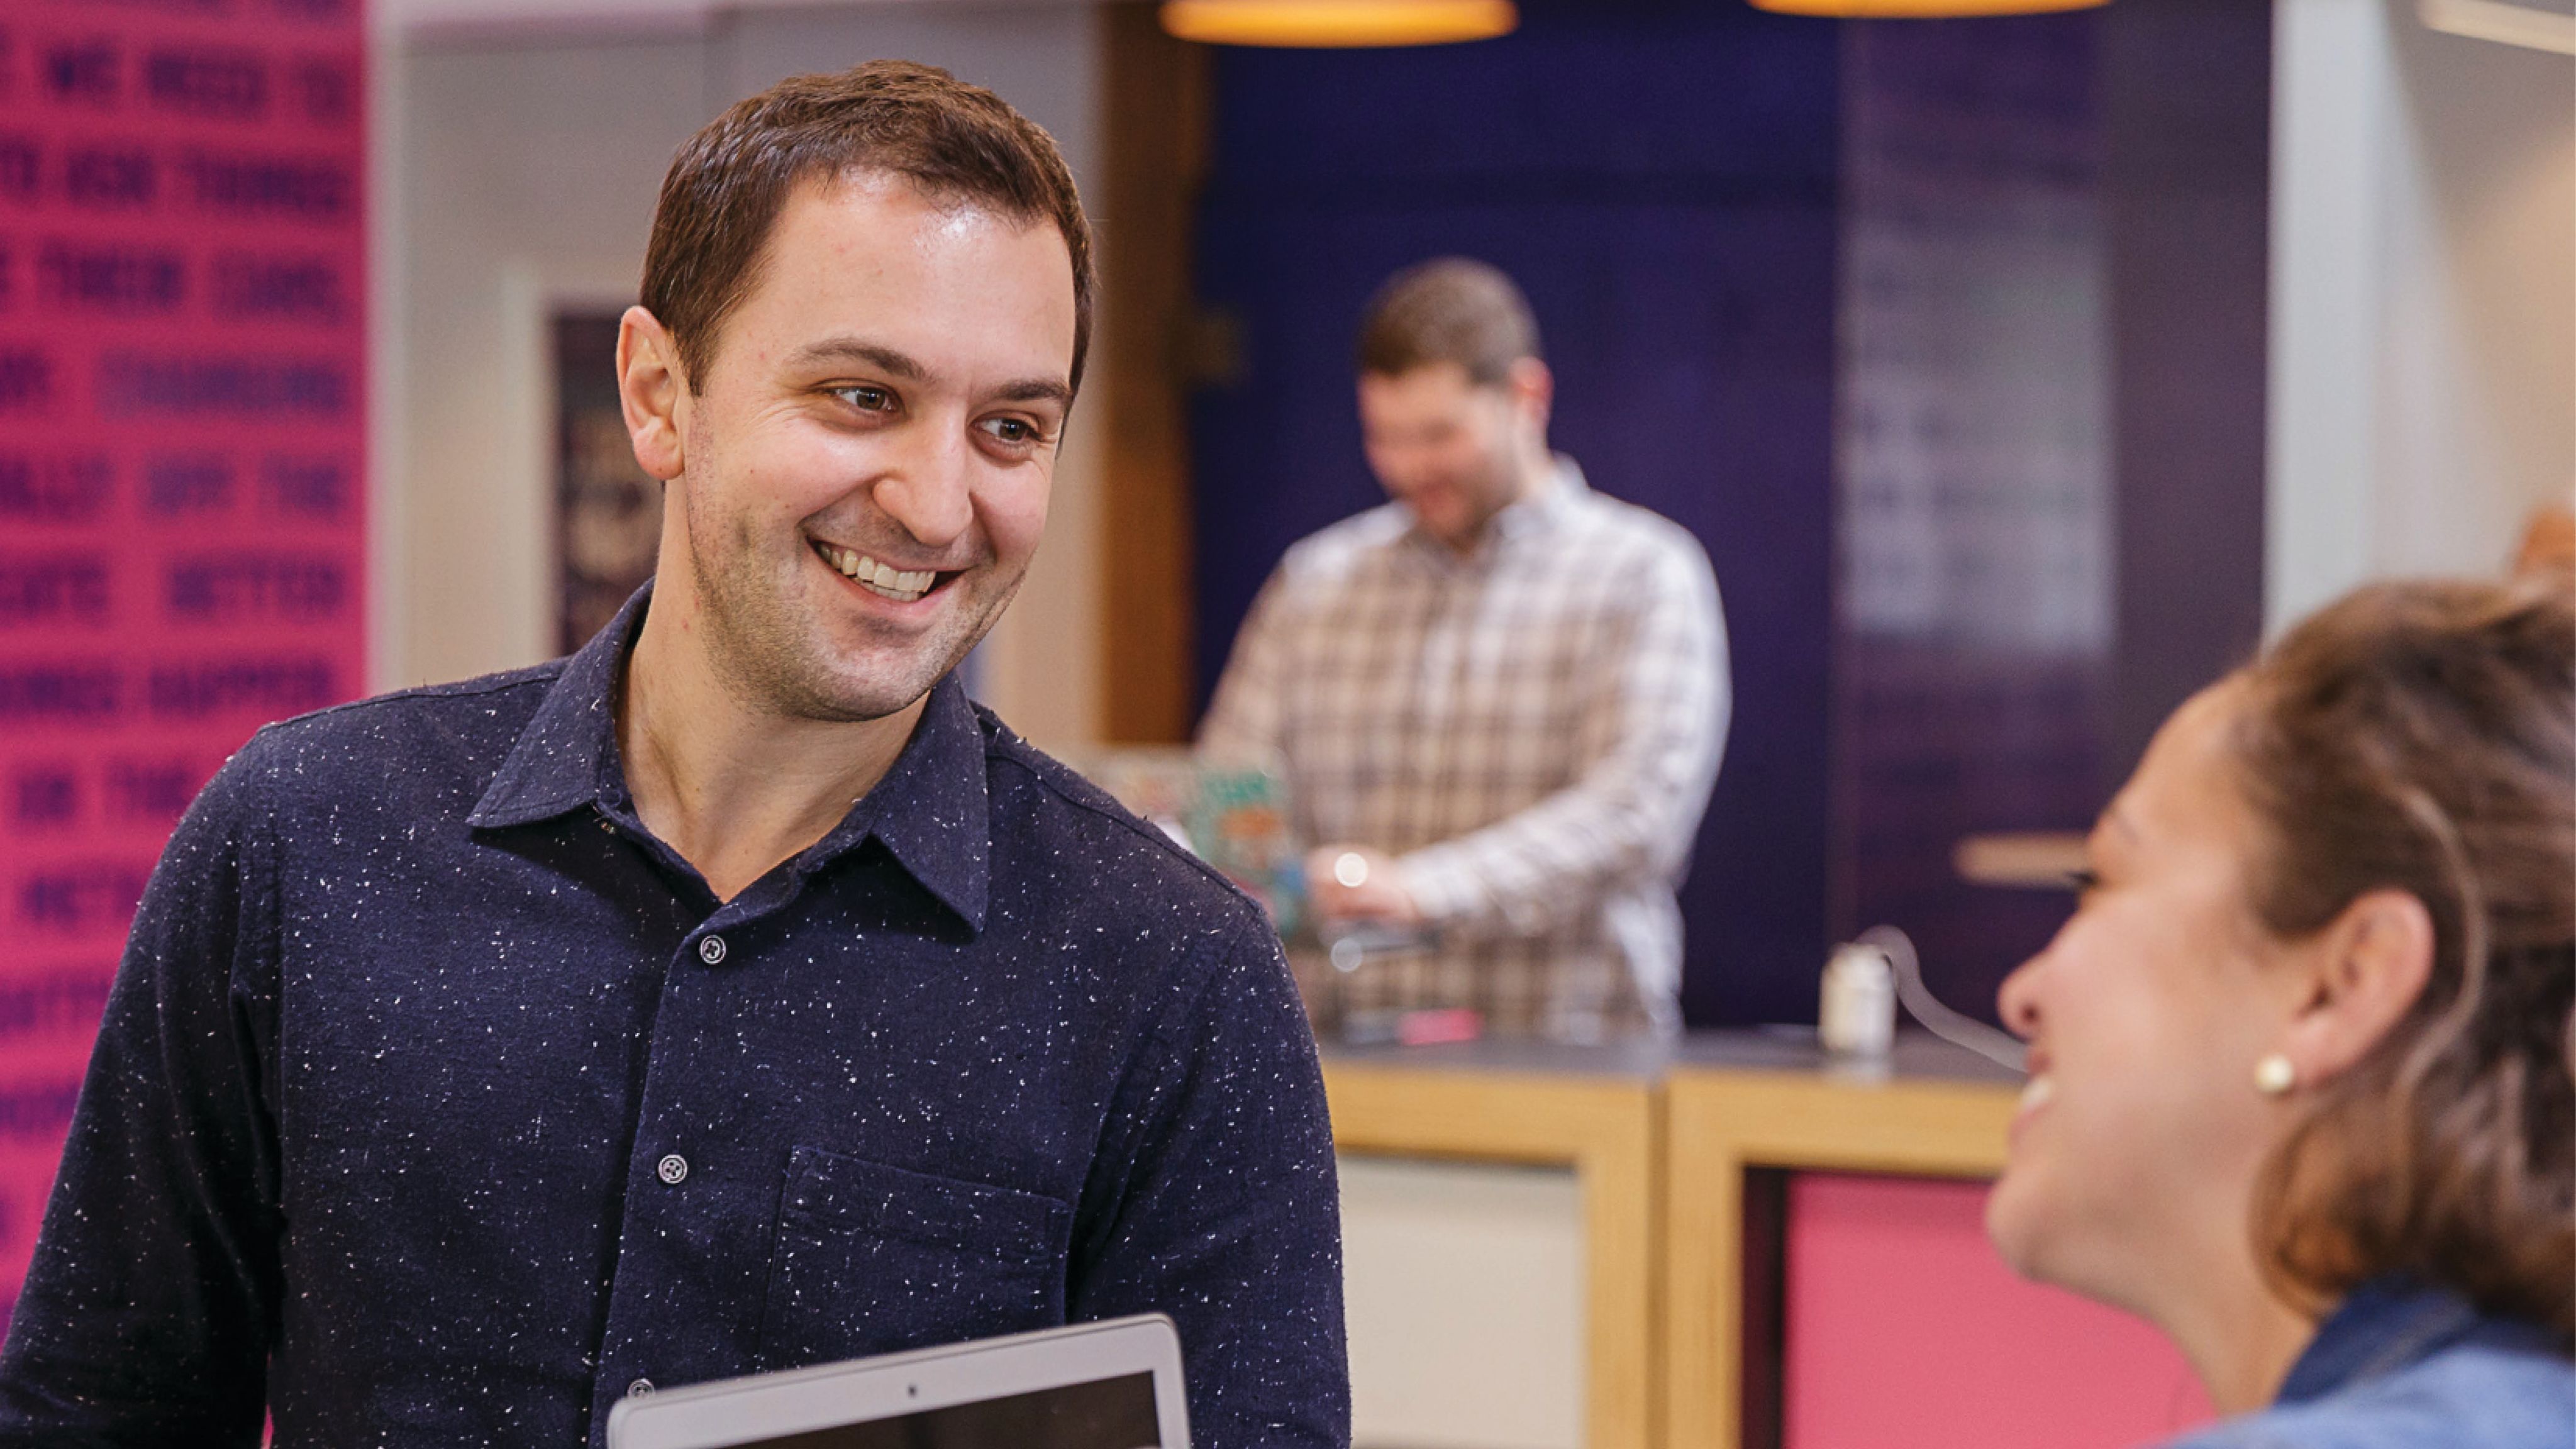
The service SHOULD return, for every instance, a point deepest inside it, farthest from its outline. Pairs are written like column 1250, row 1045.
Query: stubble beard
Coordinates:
column 779, row 659
column 1482, row 496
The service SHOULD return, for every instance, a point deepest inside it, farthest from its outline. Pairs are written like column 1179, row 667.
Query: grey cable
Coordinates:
column 1998, row 1047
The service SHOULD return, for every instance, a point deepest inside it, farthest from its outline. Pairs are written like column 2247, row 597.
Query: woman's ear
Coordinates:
column 2364, row 972
column 652, row 391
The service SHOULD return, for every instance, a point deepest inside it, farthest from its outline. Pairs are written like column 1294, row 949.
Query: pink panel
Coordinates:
column 1904, row 1331
column 182, row 436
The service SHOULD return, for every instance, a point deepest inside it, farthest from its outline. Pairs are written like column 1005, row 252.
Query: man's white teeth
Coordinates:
column 2037, row 1092
column 899, row 584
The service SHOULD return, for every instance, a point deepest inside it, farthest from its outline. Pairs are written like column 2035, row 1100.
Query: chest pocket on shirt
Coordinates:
column 870, row 1259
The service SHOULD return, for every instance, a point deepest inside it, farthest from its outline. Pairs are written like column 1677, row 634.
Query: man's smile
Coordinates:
column 904, row 586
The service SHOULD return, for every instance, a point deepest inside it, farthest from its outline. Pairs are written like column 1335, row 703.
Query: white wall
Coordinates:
column 517, row 171
column 2423, row 387
column 527, row 178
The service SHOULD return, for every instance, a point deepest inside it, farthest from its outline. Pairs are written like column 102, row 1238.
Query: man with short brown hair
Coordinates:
column 1499, row 699
column 733, row 995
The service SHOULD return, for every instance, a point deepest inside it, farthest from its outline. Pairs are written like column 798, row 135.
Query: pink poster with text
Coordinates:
column 182, row 451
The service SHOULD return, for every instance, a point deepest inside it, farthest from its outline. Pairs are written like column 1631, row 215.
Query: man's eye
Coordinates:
column 865, row 399
column 1012, row 430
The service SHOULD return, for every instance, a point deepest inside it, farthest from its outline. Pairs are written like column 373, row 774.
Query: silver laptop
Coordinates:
column 1111, row 1385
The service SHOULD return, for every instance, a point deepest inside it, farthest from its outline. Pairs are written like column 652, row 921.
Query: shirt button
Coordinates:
column 673, row 1169
column 639, row 1388
column 711, row 950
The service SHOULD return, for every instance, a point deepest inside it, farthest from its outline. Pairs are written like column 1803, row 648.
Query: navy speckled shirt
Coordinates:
column 439, row 1104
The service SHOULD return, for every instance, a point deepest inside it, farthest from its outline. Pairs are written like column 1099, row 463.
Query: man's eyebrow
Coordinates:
column 902, row 365
column 1035, row 389
column 850, row 349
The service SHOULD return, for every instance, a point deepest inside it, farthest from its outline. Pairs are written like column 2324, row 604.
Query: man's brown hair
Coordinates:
column 2422, row 737
column 960, row 144
column 1448, row 309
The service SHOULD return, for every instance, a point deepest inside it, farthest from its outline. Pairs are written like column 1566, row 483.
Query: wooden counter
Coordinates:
column 1659, row 1136
column 1731, row 1105
column 1595, row 1110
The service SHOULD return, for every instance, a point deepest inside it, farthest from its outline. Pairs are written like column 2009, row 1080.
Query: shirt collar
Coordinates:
column 1548, row 507
column 2389, row 1323
column 556, row 765
column 931, row 811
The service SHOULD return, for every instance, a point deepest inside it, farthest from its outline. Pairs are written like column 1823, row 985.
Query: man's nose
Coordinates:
column 929, row 490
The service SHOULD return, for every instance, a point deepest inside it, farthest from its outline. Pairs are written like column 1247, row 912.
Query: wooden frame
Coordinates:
column 1721, row 1122
column 1605, row 1128
column 1154, row 119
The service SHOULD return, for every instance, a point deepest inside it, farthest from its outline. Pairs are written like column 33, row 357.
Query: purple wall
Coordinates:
column 1944, row 337
column 1659, row 177
column 2052, row 434
column 2186, row 191
column 1972, row 657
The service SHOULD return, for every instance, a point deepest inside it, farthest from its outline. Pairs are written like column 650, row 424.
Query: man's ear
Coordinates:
column 653, row 392
column 1533, row 389
column 2364, row 972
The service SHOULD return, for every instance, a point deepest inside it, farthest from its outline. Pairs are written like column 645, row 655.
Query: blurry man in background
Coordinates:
column 1499, row 699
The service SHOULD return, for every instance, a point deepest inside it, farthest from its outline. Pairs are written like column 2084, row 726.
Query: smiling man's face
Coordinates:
column 862, row 474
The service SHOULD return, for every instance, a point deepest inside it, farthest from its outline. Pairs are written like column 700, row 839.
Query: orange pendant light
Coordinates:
column 1918, row 9
column 1338, row 23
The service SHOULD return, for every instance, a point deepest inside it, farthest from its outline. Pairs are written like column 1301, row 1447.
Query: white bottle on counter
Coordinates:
column 1856, row 1012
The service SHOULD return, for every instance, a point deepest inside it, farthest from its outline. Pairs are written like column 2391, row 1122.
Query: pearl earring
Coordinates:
column 2274, row 1075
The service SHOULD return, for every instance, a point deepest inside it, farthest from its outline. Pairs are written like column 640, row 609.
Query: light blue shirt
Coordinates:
column 2400, row 1366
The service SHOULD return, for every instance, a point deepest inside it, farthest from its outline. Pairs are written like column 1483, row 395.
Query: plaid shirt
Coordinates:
column 1532, row 730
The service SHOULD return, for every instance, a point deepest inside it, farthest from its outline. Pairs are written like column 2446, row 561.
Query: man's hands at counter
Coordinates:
column 1347, row 883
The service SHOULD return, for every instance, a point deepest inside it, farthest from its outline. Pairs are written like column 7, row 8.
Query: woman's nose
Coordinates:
column 2017, row 1000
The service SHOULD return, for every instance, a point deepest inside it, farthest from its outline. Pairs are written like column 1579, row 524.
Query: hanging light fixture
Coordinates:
column 1331, row 23
column 2498, row 21
column 1918, row 9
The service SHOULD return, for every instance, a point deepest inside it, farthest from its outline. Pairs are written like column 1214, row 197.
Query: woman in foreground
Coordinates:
column 2301, row 1090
